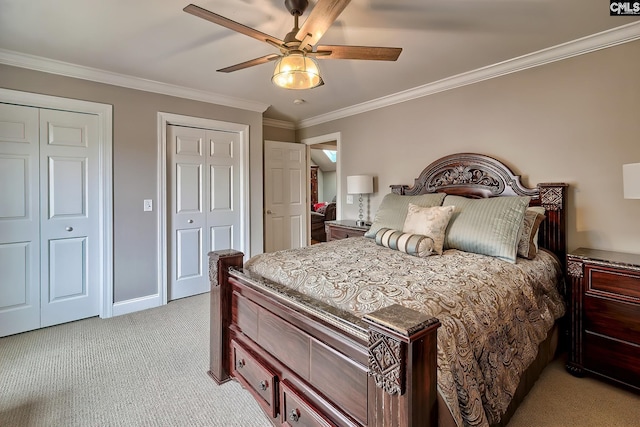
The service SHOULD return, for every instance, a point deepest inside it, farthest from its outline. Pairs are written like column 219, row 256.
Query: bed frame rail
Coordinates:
column 401, row 386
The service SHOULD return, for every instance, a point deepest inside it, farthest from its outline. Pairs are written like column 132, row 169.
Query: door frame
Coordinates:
column 105, row 182
column 336, row 136
column 165, row 119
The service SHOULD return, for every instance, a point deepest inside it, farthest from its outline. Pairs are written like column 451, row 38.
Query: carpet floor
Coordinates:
column 149, row 369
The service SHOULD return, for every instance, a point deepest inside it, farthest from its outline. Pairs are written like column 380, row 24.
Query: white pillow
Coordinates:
column 431, row 222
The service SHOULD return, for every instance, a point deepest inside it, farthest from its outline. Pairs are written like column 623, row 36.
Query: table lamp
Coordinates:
column 360, row 184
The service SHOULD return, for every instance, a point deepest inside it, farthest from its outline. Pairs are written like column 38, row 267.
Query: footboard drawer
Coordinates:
column 297, row 413
column 256, row 377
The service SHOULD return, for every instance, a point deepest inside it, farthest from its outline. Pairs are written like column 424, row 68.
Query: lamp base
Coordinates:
column 360, row 223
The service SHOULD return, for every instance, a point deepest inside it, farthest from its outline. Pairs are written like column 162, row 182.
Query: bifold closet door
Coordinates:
column 19, row 220
column 69, row 204
column 49, row 222
column 203, row 173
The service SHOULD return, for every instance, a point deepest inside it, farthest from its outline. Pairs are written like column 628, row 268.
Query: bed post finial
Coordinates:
column 220, row 312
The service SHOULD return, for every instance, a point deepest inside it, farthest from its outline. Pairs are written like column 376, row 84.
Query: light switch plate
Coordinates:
column 349, row 199
column 148, row 205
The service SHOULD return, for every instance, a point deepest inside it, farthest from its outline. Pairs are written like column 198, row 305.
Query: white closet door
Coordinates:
column 187, row 222
column 19, row 220
column 203, row 172
column 223, row 195
column 69, row 175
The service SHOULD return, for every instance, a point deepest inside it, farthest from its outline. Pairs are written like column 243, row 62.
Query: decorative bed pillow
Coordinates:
column 393, row 210
column 431, row 222
column 412, row 244
column 486, row 226
column 528, row 244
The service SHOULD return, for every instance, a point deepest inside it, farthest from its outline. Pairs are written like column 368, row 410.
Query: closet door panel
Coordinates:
column 69, row 152
column 19, row 220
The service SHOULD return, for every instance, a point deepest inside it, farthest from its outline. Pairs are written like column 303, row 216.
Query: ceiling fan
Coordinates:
column 296, row 67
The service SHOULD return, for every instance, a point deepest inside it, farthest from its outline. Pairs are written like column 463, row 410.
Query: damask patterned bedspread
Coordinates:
column 494, row 314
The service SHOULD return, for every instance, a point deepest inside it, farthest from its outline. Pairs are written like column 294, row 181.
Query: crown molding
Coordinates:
column 67, row 69
column 278, row 123
column 615, row 36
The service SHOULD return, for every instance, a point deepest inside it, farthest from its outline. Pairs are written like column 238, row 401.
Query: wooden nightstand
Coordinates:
column 605, row 315
column 343, row 229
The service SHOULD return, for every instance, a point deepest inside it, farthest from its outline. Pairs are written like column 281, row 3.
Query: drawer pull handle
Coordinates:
column 240, row 364
column 263, row 385
column 294, row 415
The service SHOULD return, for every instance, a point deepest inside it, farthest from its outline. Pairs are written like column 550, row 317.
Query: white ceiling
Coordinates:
column 155, row 40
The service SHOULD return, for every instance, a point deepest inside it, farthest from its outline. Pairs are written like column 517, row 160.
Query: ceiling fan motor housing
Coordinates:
column 296, row 7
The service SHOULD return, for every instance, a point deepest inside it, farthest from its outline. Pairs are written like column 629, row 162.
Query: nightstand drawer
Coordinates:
column 613, row 318
column 337, row 230
column 616, row 284
column 342, row 233
column 612, row 358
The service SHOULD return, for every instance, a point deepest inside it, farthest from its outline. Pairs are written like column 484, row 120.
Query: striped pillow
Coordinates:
column 486, row 226
column 412, row 244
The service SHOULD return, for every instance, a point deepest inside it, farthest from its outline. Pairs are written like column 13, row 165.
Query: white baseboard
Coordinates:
column 136, row 304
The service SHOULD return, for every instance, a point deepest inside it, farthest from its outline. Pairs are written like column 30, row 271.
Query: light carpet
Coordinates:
column 149, row 369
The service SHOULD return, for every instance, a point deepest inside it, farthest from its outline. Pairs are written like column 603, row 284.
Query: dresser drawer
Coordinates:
column 297, row 413
column 617, row 319
column 256, row 377
column 624, row 285
column 612, row 359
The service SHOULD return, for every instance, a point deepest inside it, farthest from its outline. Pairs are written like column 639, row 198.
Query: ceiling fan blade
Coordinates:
column 358, row 52
column 232, row 25
column 250, row 63
column 324, row 13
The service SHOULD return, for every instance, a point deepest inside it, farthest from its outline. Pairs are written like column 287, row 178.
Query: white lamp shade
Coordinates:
column 360, row 184
column 631, row 180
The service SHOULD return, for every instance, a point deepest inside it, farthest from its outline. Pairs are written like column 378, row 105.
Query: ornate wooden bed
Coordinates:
column 307, row 365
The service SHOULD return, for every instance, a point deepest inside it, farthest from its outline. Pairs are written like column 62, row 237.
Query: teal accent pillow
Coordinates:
column 393, row 210
column 486, row 226
column 412, row 244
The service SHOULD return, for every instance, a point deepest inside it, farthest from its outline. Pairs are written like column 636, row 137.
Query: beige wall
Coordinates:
column 272, row 133
column 574, row 121
column 135, row 162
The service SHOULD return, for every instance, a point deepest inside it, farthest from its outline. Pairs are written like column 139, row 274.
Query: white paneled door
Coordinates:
column 49, row 227
column 19, row 220
column 203, row 173
column 285, row 195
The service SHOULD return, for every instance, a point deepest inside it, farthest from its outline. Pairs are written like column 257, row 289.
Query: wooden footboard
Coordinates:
column 304, row 370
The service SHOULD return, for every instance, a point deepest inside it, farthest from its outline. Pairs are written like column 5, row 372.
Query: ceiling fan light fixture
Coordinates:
column 295, row 70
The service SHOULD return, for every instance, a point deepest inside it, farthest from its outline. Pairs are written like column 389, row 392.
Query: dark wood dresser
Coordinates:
column 605, row 315
column 342, row 229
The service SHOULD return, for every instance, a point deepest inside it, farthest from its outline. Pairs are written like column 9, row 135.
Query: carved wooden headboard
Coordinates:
column 478, row 176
